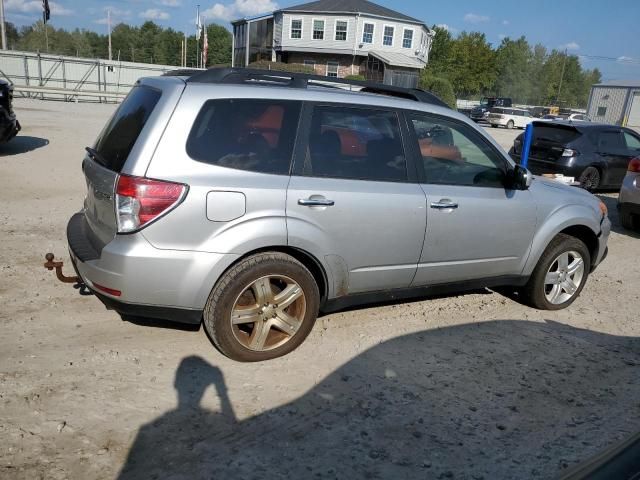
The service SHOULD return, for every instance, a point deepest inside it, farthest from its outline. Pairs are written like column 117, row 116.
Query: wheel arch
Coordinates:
column 574, row 220
column 316, row 268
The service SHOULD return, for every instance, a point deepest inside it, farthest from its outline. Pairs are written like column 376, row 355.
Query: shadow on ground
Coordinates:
column 614, row 216
column 22, row 144
column 504, row 399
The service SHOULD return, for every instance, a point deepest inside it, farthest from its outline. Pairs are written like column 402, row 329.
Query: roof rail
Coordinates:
column 181, row 72
column 303, row 80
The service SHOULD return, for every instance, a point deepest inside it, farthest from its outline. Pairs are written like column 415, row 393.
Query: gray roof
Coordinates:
column 620, row 83
column 351, row 6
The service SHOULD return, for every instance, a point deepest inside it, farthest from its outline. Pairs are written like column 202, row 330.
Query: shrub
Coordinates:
column 355, row 77
column 439, row 86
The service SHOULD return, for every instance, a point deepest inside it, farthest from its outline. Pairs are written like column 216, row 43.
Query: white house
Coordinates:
column 338, row 38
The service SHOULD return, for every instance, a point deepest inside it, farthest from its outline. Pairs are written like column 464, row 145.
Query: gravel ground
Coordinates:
column 470, row 386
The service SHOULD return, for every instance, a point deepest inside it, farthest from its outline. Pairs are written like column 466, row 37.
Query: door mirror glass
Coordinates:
column 521, row 178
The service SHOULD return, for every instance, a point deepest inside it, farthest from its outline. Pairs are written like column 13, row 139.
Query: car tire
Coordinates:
column 590, row 179
column 510, row 124
column 493, row 125
column 242, row 317
column 547, row 288
column 629, row 220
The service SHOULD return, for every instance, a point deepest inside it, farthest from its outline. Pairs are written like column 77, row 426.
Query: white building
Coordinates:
column 615, row 102
column 338, row 38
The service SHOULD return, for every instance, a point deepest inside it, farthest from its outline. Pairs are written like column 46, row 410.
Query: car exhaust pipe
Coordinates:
column 50, row 265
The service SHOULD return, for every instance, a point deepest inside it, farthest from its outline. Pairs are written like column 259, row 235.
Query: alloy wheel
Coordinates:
column 564, row 277
column 268, row 312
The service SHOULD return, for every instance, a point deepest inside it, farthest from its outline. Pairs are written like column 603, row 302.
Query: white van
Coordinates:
column 509, row 117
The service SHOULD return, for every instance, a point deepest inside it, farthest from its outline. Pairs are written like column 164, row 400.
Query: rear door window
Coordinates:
column 355, row 143
column 611, row 141
column 246, row 134
column 121, row 132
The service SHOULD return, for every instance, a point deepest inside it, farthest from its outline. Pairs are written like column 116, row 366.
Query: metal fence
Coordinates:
column 55, row 77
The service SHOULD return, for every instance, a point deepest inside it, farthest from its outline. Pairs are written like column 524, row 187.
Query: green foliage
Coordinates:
column 514, row 69
column 438, row 86
column 355, row 77
column 282, row 67
column 148, row 43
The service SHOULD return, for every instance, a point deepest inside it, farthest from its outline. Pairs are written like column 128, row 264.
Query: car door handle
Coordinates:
column 444, row 204
column 315, row 202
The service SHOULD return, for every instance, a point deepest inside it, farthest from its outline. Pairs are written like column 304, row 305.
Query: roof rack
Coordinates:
column 303, row 80
column 181, row 72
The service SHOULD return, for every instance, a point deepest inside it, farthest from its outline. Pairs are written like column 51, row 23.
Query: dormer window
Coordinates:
column 318, row 30
column 367, row 33
column 296, row 28
column 387, row 37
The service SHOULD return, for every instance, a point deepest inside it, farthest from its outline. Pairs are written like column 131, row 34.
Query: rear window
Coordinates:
column 246, row 134
column 119, row 135
column 555, row 133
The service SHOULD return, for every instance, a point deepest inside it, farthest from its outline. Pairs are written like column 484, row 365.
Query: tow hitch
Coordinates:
column 50, row 265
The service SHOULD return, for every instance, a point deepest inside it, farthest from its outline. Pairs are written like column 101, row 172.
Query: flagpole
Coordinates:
column 198, row 36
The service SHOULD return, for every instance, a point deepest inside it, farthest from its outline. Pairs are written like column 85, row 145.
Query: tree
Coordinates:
column 472, row 70
column 513, row 68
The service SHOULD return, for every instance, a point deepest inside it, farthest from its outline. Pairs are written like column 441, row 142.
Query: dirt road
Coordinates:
column 471, row 386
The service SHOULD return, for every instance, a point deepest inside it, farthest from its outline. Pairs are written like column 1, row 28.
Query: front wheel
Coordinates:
column 262, row 308
column 590, row 179
column 560, row 274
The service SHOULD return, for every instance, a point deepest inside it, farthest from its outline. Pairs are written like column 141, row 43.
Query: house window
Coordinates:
column 367, row 33
column 318, row 29
column 387, row 38
column 602, row 111
column 332, row 69
column 407, row 38
column 296, row 28
column 341, row 30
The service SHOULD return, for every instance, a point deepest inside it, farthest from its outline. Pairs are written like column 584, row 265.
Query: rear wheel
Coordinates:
column 560, row 274
column 262, row 308
column 590, row 179
column 510, row 124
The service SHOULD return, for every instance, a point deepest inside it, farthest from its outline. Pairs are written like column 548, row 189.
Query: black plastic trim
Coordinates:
column 179, row 315
column 382, row 296
column 79, row 239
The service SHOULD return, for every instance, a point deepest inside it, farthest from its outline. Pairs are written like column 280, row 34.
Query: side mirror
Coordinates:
column 521, row 178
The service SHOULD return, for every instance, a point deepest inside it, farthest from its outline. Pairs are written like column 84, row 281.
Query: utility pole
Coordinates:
column 561, row 77
column 3, row 32
column 109, row 28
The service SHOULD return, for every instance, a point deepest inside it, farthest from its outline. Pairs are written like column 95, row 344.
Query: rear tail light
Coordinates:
column 569, row 152
column 110, row 291
column 140, row 201
column 634, row 165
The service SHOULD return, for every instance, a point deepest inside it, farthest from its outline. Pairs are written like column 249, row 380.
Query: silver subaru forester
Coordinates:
column 252, row 200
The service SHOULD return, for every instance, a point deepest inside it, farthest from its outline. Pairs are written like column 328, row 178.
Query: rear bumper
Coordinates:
column 170, row 284
column 630, row 192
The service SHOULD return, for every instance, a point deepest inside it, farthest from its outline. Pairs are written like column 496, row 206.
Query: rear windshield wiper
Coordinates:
column 95, row 155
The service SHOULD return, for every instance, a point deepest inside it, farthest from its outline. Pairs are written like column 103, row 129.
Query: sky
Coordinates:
column 603, row 33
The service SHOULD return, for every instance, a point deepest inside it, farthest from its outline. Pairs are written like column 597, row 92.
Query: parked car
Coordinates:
column 577, row 117
column 509, row 117
column 481, row 112
column 595, row 154
column 629, row 198
column 228, row 197
column 9, row 125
